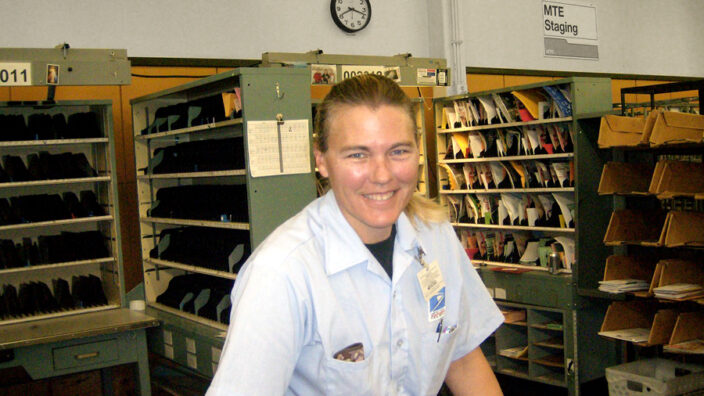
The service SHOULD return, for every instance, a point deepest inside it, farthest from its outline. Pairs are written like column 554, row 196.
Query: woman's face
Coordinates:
column 372, row 164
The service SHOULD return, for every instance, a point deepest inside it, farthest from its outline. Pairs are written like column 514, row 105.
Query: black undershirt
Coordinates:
column 384, row 252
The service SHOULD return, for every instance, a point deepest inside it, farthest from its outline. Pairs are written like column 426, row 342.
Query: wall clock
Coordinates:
column 351, row 15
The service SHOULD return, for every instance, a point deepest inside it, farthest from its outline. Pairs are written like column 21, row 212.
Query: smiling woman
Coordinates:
column 367, row 291
column 367, row 94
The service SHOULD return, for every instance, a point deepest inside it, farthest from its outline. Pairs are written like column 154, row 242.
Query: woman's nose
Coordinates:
column 381, row 171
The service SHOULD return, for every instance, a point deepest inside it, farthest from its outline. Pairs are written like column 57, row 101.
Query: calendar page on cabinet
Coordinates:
column 278, row 147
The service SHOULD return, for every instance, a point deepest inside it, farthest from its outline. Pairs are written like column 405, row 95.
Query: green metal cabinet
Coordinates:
column 266, row 94
column 548, row 297
column 65, row 341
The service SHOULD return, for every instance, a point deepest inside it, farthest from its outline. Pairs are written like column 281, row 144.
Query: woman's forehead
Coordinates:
column 359, row 121
column 359, row 113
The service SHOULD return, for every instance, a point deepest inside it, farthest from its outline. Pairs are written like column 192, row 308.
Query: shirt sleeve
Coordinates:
column 265, row 334
column 480, row 316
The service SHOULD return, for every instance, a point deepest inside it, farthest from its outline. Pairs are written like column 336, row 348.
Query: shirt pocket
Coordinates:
column 440, row 345
column 348, row 378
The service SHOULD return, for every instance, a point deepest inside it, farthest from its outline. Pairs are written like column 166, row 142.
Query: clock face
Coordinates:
column 351, row 15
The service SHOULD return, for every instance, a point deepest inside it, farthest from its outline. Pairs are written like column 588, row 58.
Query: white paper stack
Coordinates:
column 638, row 334
column 677, row 291
column 515, row 352
column 622, row 285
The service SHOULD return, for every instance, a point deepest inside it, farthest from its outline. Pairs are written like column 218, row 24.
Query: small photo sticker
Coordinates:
column 52, row 74
column 323, row 74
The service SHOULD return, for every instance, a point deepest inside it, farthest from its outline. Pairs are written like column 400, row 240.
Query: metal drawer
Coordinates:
column 85, row 354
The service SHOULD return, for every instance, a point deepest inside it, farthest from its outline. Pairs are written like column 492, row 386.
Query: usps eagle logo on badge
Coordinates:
column 436, row 305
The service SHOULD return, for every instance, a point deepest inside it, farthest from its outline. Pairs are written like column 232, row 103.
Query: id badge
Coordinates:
column 430, row 280
column 432, row 286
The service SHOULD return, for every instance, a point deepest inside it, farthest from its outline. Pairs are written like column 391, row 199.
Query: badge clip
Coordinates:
column 420, row 255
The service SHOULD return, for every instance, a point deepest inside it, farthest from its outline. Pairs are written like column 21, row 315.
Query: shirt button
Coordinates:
column 399, row 343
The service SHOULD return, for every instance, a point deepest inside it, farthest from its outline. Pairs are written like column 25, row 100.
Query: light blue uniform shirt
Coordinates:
column 312, row 288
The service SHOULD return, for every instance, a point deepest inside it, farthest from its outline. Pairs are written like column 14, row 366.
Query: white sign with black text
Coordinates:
column 392, row 72
column 15, row 74
column 570, row 30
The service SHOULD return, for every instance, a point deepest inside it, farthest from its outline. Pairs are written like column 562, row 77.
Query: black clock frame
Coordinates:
column 341, row 25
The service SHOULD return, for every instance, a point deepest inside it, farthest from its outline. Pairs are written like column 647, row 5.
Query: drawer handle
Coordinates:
column 87, row 355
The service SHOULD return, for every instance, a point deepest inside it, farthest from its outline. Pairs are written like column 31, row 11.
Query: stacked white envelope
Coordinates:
column 515, row 352
column 622, row 285
column 678, row 291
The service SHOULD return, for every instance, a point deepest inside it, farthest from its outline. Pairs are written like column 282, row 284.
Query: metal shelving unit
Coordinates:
column 49, row 343
column 580, row 356
column 99, row 151
column 648, row 155
column 189, row 337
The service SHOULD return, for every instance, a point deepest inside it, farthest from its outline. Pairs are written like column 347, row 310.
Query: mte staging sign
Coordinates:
column 569, row 30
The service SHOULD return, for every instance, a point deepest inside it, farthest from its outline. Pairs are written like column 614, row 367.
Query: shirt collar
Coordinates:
column 344, row 248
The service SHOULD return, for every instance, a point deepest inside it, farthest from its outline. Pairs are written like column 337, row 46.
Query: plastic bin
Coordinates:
column 659, row 377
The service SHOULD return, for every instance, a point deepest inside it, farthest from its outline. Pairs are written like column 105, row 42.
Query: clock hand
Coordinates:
column 355, row 10
column 348, row 10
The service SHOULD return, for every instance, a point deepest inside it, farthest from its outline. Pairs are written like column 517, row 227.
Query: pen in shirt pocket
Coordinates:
column 444, row 329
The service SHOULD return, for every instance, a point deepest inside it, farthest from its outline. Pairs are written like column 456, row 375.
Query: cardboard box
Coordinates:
column 650, row 123
column 683, row 229
column 620, row 131
column 657, row 176
column 621, row 316
column 677, row 179
column 621, row 268
column 688, row 327
column 625, row 178
column 514, row 315
column 634, row 227
column 672, row 271
column 675, row 128
column 629, row 267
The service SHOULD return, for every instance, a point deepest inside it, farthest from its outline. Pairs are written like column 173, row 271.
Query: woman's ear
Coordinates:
column 320, row 162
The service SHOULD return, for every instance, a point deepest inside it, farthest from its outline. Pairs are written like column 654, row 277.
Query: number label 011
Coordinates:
column 13, row 74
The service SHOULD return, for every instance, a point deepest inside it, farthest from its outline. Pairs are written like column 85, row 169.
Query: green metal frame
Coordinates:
column 265, row 93
column 48, row 347
column 77, row 66
column 588, row 354
column 407, row 64
column 104, row 109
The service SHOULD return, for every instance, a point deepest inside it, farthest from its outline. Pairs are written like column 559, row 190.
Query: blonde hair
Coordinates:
column 425, row 210
column 374, row 91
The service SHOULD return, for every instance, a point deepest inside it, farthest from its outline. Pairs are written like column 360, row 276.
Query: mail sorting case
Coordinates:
column 201, row 210
column 516, row 170
column 656, row 227
column 59, row 246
